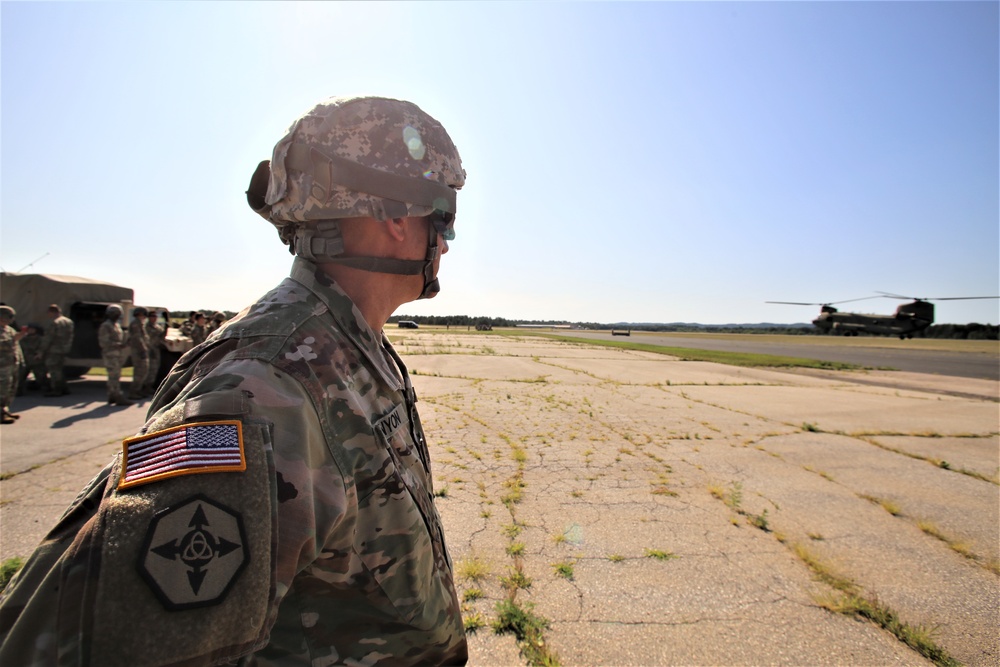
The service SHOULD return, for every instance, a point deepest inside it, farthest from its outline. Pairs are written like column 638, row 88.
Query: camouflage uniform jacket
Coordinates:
column 10, row 352
column 325, row 550
column 110, row 337
column 156, row 334
column 138, row 341
column 58, row 338
column 10, row 359
column 199, row 333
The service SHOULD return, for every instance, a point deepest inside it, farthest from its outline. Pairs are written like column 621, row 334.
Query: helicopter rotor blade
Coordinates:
column 826, row 303
column 940, row 298
column 863, row 298
column 961, row 298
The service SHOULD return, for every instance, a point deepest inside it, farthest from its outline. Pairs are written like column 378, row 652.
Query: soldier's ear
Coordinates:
column 396, row 228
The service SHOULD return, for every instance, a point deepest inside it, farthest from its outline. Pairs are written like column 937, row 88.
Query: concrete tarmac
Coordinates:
column 869, row 352
column 652, row 511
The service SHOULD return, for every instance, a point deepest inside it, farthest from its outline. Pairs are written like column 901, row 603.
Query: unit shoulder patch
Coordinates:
column 189, row 449
column 193, row 553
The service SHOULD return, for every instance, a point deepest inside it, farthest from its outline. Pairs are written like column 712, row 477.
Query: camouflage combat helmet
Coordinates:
column 139, row 310
column 113, row 309
column 359, row 157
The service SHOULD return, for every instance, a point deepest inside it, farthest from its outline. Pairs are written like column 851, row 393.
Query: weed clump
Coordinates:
column 564, row 570
column 918, row 638
column 473, row 622
column 8, row 569
column 529, row 628
column 473, row 569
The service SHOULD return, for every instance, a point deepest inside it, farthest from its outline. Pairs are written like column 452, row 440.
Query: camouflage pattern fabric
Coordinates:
column 31, row 347
column 326, row 550
column 199, row 332
column 138, row 344
column 156, row 333
column 58, row 336
column 111, row 339
column 10, row 359
column 56, row 344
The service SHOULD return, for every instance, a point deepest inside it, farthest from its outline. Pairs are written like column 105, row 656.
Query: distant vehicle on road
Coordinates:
column 407, row 324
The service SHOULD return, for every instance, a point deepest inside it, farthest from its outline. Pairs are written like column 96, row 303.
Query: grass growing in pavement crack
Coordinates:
column 918, row 638
column 8, row 569
column 852, row 602
column 529, row 629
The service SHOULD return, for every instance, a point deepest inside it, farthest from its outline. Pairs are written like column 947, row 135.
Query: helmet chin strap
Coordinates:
column 323, row 243
column 431, row 284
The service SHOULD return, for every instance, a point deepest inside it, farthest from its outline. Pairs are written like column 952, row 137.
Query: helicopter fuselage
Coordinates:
column 910, row 320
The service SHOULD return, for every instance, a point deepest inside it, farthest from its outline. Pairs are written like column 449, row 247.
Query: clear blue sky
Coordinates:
column 647, row 161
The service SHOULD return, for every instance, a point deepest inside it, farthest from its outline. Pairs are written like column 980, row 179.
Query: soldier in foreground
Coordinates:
column 56, row 344
column 277, row 506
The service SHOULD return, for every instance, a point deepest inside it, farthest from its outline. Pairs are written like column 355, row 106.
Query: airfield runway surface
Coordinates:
column 651, row 511
column 982, row 360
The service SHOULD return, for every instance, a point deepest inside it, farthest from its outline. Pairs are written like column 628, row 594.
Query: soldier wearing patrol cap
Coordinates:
column 277, row 506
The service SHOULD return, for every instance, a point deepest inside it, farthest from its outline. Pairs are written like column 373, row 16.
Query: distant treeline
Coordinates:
column 971, row 331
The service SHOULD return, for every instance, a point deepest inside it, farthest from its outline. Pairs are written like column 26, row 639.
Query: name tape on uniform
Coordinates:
column 390, row 423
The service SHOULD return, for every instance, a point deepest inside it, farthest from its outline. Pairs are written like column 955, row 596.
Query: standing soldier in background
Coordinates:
column 31, row 346
column 111, row 338
column 188, row 324
column 138, row 345
column 56, row 344
column 277, row 508
column 10, row 362
column 216, row 322
column 156, row 334
column 199, row 332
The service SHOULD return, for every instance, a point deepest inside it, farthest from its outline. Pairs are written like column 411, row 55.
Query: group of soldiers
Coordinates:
column 144, row 341
column 199, row 327
column 41, row 352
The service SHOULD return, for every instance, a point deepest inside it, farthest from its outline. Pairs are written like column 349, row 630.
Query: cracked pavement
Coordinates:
column 625, row 453
column 597, row 460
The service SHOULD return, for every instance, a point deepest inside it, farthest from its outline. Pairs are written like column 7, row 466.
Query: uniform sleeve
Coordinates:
column 188, row 566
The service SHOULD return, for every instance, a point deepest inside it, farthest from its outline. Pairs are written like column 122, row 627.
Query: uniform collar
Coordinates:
column 349, row 319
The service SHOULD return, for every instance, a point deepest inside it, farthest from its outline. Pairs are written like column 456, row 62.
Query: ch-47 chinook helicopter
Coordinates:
column 909, row 320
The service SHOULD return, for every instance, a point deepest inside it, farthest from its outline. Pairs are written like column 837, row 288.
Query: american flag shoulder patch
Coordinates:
column 190, row 449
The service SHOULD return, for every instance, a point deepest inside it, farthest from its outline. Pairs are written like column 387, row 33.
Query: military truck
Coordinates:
column 84, row 301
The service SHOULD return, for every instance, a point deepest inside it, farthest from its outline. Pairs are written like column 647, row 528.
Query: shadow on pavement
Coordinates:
column 84, row 393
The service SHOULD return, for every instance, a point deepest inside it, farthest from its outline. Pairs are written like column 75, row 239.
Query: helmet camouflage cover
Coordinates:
column 348, row 157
